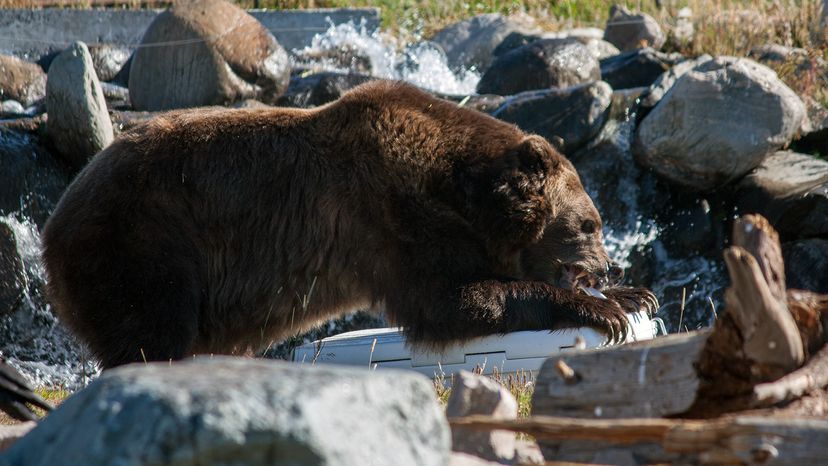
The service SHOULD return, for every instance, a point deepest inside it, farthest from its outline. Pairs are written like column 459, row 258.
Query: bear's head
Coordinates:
column 531, row 205
column 570, row 250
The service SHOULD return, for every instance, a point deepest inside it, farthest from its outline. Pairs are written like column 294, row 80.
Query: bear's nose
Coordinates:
column 615, row 273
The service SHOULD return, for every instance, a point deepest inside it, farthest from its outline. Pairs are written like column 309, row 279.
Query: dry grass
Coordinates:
column 55, row 396
column 520, row 384
column 723, row 27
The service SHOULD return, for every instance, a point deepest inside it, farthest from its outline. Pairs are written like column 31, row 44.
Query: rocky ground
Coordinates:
column 672, row 147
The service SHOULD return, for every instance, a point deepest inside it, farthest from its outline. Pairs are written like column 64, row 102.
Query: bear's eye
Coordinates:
column 588, row 227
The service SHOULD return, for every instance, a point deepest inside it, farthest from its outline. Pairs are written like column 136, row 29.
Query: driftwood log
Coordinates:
column 728, row 440
column 766, row 349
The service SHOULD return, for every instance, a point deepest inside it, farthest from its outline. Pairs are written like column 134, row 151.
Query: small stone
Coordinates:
column 12, row 107
column 637, row 68
column 475, row 394
column 629, row 31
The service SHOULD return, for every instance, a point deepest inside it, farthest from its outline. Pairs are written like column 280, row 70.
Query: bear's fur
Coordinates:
column 218, row 231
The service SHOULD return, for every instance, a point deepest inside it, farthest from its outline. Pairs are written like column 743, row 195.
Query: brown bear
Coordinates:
column 219, row 231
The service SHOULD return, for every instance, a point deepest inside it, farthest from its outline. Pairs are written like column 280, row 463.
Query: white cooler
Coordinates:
column 514, row 352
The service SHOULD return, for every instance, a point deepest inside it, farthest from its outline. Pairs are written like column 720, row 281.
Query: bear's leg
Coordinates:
column 493, row 307
column 142, row 312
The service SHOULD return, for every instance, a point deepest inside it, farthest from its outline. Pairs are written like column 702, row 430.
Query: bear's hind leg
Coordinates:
column 142, row 314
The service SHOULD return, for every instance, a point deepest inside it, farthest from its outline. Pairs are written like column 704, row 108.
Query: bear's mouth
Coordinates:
column 577, row 277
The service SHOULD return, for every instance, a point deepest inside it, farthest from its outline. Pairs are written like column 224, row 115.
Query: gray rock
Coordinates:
column 345, row 56
column 12, row 274
column 597, row 47
column 13, row 433
column 32, row 179
column 806, row 264
column 684, row 30
column 777, row 53
column 472, row 42
column 108, row 60
column 637, row 68
column 541, row 64
column 486, row 103
column 236, row 411
column 78, row 123
column 666, row 81
column 476, row 394
column 245, row 61
column 718, row 122
column 791, row 191
column 569, row 118
column 601, row 49
column 629, row 31
column 115, row 93
column 12, row 107
column 22, row 81
column 319, row 88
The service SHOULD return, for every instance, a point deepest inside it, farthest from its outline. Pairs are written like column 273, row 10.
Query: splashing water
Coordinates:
column 633, row 238
column 423, row 64
column 31, row 338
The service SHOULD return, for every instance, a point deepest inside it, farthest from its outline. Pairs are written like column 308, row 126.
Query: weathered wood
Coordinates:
column 729, row 440
column 810, row 312
column 812, row 376
column 754, row 234
column 650, row 378
column 757, row 339
column 769, row 333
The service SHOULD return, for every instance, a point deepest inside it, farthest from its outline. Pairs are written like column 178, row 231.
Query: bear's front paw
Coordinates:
column 633, row 299
column 605, row 316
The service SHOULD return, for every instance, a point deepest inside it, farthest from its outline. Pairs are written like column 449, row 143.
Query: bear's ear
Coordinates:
column 506, row 197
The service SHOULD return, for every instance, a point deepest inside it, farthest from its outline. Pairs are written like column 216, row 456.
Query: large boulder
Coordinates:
column 22, row 81
column 470, row 43
column 718, row 122
column 791, row 191
column 569, row 118
column 242, row 411
column 630, row 31
column 32, row 179
column 78, row 124
column 637, row 68
column 806, row 264
column 214, row 53
column 541, row 64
